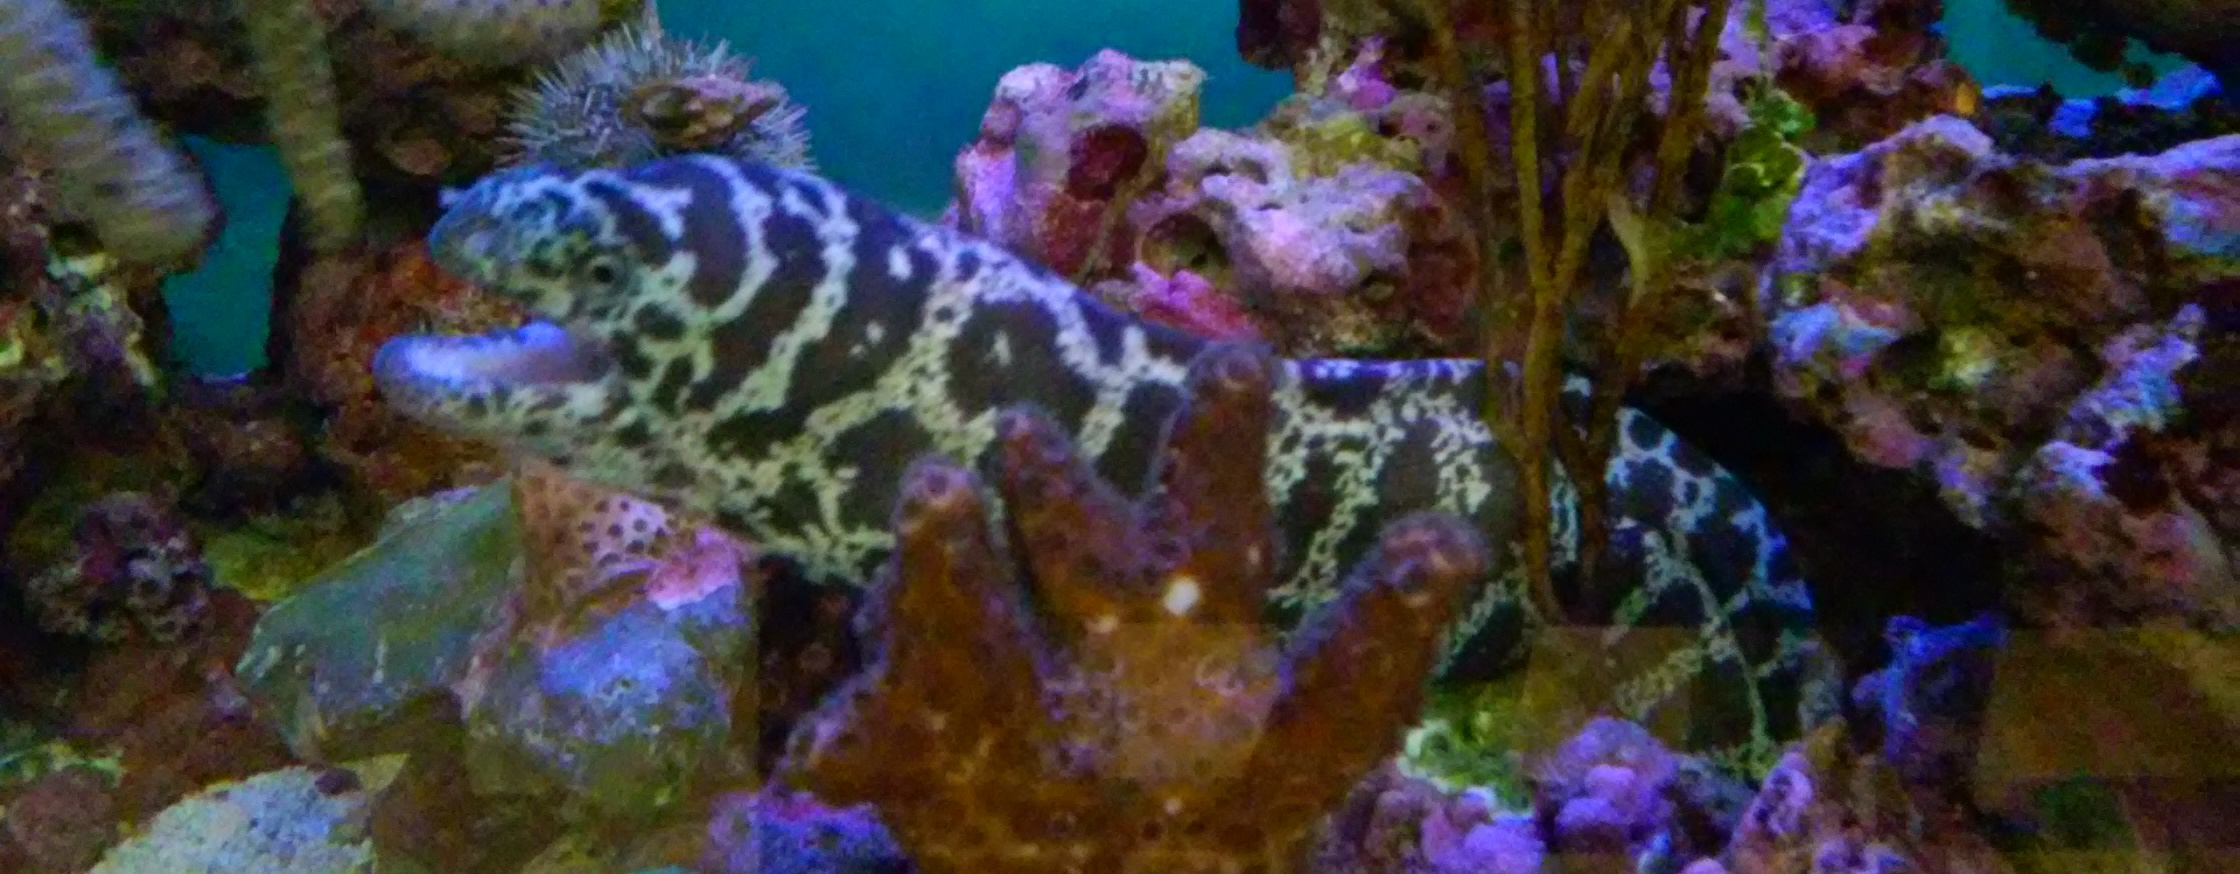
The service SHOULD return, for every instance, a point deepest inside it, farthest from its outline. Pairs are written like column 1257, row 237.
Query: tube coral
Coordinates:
column 109, row 166
column 500, row 32
column 288, row 41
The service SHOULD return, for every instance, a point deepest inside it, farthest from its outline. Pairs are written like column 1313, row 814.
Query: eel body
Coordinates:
column 760, row 346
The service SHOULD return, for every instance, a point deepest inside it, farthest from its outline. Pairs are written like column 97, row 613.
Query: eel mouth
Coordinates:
column 472, row 382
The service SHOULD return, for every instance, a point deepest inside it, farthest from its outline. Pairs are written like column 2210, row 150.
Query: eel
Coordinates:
column 760, row 347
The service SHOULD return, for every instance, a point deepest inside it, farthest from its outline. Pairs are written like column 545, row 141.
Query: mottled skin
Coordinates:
column 759, row 346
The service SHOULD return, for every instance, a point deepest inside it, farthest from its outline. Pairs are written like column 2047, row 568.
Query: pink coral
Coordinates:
column 1325, row 224
column 1609, row 798
column 1183, row 300
column 1057, row 147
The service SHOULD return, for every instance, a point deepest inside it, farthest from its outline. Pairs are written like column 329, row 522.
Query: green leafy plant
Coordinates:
column 1765, row 167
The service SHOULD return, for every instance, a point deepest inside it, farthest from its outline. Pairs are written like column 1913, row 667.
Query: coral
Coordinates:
column 1122, row 705
column 1941, row 306
column 778, row 832
column 171, row 717
column 1393, row 824
column 2106, row 501
column 502, row 32
column 1324, row 260
column 109, row 165
column 32, row 361
column 1871, row 75
column 412, row 115
column 250, row 457
column 1061, row 152
column 288, row 42
column 1929, row 702
column 1319, row 226
column 1613, row 792
column 1608, row 798
column 578, row 539
column 1824, row 810
column 77, row 321
column 1183, row 300
column 136, row 571
column 59, row 824
column 639, row 94
column 96, row 317
column 310, row 819
column 79, row 122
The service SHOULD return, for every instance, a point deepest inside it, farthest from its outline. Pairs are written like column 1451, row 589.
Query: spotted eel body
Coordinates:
column 757, row 345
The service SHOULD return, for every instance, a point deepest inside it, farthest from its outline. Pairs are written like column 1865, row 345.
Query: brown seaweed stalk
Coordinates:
column 1472, row 141
column 1599, row 107
column 1641, row 234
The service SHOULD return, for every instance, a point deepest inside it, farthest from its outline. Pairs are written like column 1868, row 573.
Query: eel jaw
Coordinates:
column 531, row 386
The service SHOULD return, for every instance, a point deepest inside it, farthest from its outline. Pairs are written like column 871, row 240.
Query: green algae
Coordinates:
column 1765, row 169
column 28, row 753
column 364, row 653
column 1469, row 738
column 271, row 557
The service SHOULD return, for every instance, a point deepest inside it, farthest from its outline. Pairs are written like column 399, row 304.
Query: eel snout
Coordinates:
column 493, row 384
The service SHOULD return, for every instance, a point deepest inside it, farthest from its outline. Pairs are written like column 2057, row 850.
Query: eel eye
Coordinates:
column 603, row 272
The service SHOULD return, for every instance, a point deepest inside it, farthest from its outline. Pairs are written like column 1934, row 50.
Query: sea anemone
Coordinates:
column 639, row 95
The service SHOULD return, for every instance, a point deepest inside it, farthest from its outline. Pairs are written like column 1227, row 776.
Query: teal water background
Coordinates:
column 893, row 89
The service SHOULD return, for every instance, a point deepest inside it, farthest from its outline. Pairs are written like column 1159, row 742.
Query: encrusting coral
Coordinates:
column 326, row 324
column 108, row 165
column 581, row 539
column 639, row 94
column 1120, row 706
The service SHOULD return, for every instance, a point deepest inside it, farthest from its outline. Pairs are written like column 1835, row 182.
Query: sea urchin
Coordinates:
column 638, row 95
